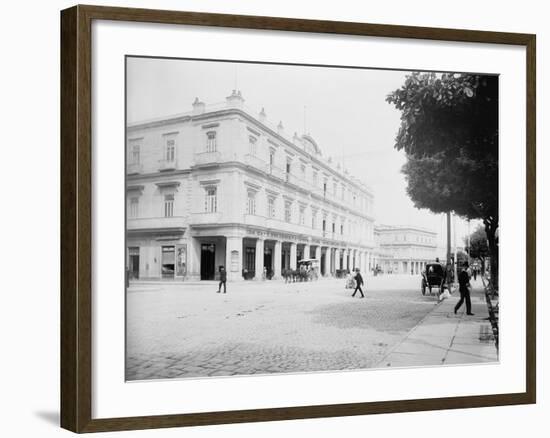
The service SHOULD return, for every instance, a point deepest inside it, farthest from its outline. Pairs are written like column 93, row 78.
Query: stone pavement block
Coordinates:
column 471, row 356
column 414, row 342
column 427, row 352
column 483, row 350
column 426, row 330
column 409, row 360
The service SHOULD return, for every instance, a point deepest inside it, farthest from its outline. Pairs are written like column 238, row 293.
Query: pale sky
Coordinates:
column 343, row 109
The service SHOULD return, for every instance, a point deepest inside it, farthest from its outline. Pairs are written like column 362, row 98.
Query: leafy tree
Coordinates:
column 478, row 245
column 449, row 133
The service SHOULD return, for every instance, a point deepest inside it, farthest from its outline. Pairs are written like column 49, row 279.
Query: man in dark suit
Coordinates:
column 464, row 289
column 223, row 279
column 358, row 283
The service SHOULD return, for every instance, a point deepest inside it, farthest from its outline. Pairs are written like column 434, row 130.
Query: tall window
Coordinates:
column 333, row 227
column 271, row 206
column 303, row 171
column 252, row 145
column 251, row 202
column 342, row 229
column 324, row 225
column 334, row 188
column 169, row 205
column 315, row 178
column 135, row 154
column 170, row 150
column 271, row 159
column 288, row 211
column 302, row 215
column 211, row 141
column 343, row 191
column 133, row 208
column 313, row 219
column 211, row 200
column 288, row 166
column 325, row 187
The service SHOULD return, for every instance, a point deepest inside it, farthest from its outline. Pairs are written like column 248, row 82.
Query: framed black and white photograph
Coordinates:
column 268, row 219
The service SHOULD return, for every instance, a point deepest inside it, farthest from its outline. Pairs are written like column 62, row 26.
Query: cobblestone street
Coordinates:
column 188, row 330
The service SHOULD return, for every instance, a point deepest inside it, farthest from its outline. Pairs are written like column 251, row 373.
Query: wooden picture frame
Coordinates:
column 76, row 217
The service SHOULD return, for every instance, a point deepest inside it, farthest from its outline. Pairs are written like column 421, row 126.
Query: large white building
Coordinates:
column 405, row 249
column 220, row 185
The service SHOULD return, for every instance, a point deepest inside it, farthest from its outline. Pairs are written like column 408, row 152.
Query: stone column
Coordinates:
column 193, row 260
column 340, row 258
column 318, row 253
column 307, row 250
column 234, row 258
column 292, row 255
column 259, row 265
column 277, row 248
column 359, row 261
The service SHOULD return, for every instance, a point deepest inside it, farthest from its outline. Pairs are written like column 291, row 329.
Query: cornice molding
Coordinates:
column 259, row 125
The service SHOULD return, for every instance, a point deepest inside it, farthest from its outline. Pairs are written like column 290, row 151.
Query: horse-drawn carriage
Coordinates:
column 433, row 277
column 307, row 270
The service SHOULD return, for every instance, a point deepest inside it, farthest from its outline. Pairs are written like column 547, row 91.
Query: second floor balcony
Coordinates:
column 254, row 161
column 206, row 218
column 275, row 171
column 207, row 158
column 134, row 168
column 165, row 165
column 160, row 222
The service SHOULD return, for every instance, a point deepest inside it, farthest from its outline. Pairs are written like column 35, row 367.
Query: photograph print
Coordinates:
column 286, row 218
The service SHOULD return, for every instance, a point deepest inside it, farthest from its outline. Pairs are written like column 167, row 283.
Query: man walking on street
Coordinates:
column 464, row 289
column 223, row 279
column 358, row 283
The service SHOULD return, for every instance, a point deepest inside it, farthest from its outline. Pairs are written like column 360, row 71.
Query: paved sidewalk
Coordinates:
column 443, row 338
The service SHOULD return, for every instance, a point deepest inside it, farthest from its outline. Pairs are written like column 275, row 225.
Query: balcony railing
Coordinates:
column 206, row 218
column 167, row 165
column 275, row 171
column 289, row 227
column 254, row 161
column 154, row 222
column 134, row 168
column 203, row 158
column 255, row 220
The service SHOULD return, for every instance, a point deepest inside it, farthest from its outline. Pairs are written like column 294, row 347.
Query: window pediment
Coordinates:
column 135, row 188
column 164, row 184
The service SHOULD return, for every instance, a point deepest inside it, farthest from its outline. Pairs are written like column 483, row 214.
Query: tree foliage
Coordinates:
column 478, row 244
column 449, row 133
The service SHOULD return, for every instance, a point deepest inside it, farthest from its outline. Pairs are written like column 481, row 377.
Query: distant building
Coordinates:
column 405, row 249
column 220, row 185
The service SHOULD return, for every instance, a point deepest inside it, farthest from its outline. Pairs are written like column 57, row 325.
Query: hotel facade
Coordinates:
column 222, row 186
column 405, row 249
